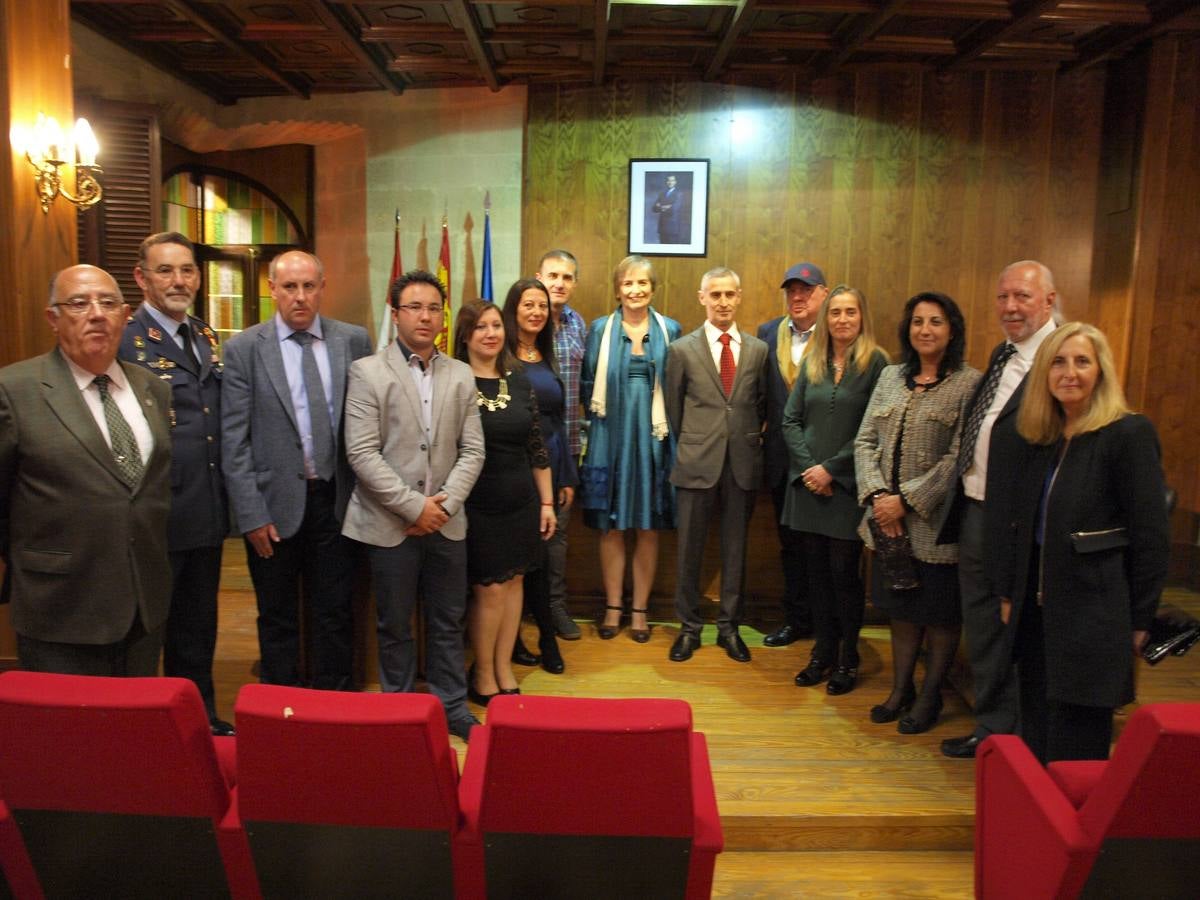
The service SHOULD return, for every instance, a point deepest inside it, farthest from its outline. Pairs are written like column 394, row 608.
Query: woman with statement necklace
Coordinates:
column 530, row 332
column 1088, row 546
column 624, row 477
column 906, row 456
column 510, row 509
column 836, row 376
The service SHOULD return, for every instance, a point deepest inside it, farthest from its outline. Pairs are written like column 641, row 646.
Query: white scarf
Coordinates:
column 658, row 407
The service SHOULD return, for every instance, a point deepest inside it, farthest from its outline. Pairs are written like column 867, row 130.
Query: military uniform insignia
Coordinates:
column 139, row 342
column 162, row 363
column 154, row 334
column 141, row 355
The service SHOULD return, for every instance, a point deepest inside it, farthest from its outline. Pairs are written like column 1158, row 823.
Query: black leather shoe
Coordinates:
column 221, row 728
column 881, row 713
column 552, row 660
column 608, row 632
column 683, row 648
column 786, row 634
column 521, row 655
column 918, row 722
column 509, row 691
column 461, row 727
column 734, row 646
column 640, row 635
column 475, row 697
column 961, row 748
column 812, row 674
column 842, row 680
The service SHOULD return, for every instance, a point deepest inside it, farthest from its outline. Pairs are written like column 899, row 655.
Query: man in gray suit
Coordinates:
column 414, row 439
column 286, row 474
column 85, row 462
column 716, row 396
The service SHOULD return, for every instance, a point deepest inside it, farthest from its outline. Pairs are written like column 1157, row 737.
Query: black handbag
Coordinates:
column 895, row 558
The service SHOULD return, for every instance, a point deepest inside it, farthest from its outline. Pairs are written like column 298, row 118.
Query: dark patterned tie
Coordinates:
column 728, row 366
column 983, row 402
column 318, row 408
column 124, row 445
column 189, row 347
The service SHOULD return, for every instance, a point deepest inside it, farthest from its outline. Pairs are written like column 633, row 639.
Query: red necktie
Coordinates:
column 728, row 366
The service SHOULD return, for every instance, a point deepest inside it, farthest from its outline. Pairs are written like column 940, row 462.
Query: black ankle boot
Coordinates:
column 521, row 655
column 552, row 660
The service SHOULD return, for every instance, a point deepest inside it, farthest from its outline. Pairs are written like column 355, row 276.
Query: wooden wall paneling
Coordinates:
column 823, row 111
column 541, row 165
column 854, row 185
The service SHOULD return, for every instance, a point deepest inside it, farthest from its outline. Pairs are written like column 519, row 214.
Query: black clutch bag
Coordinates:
column 1172, row 634
column 894, row 556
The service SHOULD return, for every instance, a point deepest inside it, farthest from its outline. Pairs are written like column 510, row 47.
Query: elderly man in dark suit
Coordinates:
column 786, row 337
column 974, row 515
column 716, row 399
column 182, row 351
column 85, row 459
column 287, row 476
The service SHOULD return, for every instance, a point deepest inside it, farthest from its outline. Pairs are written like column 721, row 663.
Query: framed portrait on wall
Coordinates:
column 668, row 207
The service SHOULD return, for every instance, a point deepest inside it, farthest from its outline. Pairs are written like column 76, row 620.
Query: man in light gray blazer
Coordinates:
column 286, row 474
column 716, row 397
column 414, row 439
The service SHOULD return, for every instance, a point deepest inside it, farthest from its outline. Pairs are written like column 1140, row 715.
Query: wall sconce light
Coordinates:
column 47, row 150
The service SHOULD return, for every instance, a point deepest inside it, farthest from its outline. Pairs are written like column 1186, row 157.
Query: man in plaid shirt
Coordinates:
column 557, row 270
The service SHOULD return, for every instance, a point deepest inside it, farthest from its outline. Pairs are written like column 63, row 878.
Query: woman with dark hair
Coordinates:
column 511, row 505
column 625, row 472
column 837, row 374
column 905, row 457
column 529, row 335
column 1089, row 547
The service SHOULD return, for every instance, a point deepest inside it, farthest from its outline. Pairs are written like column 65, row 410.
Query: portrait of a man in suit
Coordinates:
column 85, row 456
column 672, row 208
column 286, row 472
column 716, row 399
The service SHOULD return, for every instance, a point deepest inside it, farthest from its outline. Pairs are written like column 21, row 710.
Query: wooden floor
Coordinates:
column 815, row 800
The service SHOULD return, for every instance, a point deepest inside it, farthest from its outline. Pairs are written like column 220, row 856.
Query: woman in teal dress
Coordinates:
column 624, row 477
column 837, row 375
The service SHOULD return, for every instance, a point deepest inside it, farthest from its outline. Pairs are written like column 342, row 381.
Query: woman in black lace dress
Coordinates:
column 511, row 507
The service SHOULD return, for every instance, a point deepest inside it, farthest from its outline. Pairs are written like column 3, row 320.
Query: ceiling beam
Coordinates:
column 245, row 52
column 861, row 33
column 741, row 15
column 600, row 9
column 433, row 31
column 473, row 32
column 1115, row 42
column 336, row 22
column 988, row 35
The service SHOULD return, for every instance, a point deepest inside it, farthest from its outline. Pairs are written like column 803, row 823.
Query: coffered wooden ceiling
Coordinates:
column 249, row 48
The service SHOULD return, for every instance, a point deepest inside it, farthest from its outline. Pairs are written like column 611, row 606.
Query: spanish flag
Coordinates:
column 443, row 274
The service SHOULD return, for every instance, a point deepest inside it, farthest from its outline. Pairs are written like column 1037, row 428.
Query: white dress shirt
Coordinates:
column 713, row 335
column 126, row 400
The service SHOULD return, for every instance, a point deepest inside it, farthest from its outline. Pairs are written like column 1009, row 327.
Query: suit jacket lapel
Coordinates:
column 339, row 365
column 63, row 397
column 706, row 359
column 272, row 357
column 394, row 357
column 154, row 419
column 746, row 361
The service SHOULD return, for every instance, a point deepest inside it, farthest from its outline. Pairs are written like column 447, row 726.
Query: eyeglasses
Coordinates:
column 415, row 309
column 78, row 306
column 166, row 273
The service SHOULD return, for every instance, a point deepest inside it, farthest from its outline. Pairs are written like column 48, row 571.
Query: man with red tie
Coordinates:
column 716, row 397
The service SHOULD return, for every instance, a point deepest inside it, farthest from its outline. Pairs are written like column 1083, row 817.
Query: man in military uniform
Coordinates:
column 182, row 351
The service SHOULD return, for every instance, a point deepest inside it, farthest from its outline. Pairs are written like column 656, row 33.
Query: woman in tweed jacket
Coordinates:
column 905, row 459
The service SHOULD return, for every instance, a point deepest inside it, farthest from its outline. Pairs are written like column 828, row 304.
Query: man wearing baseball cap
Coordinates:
column 786, row 337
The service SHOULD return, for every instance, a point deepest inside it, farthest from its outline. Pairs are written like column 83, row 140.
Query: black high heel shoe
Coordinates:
column 641, row 635
column 812, row 674
column 913, row 724
column 608, row 632
column 842, row 681
column 521, row 655
column 881, row 713
column 552, row 660
column 473, row 695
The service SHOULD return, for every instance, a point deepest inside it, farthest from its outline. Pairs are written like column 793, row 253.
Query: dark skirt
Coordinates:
column 935, row 602
column 502, row 545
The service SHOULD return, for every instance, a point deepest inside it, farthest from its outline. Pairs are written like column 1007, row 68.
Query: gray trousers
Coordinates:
column 996, row 701
column 697, row 506
column 434, row 570
column 556, row 557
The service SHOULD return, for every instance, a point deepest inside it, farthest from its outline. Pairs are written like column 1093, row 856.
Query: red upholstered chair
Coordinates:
column 566, row 797
column 349, row 795
column 17, row 878
column 1128, row 827
column 116, row 787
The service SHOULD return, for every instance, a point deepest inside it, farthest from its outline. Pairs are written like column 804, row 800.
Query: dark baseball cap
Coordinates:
column 805, row 272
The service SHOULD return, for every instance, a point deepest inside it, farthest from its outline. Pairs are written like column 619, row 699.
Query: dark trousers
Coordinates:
column 836, row 590
column 434, row 570
column 321, row 558
column 697, row 507
column 991, row 665
column 797, row 610
column 190, row 639
column 133, row 656
column 1054, row 730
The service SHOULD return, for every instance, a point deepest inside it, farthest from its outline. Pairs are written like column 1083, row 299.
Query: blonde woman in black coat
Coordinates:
column 1088, row 546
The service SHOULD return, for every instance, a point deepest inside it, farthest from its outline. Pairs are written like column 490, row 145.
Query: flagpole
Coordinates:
column 384, row 334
